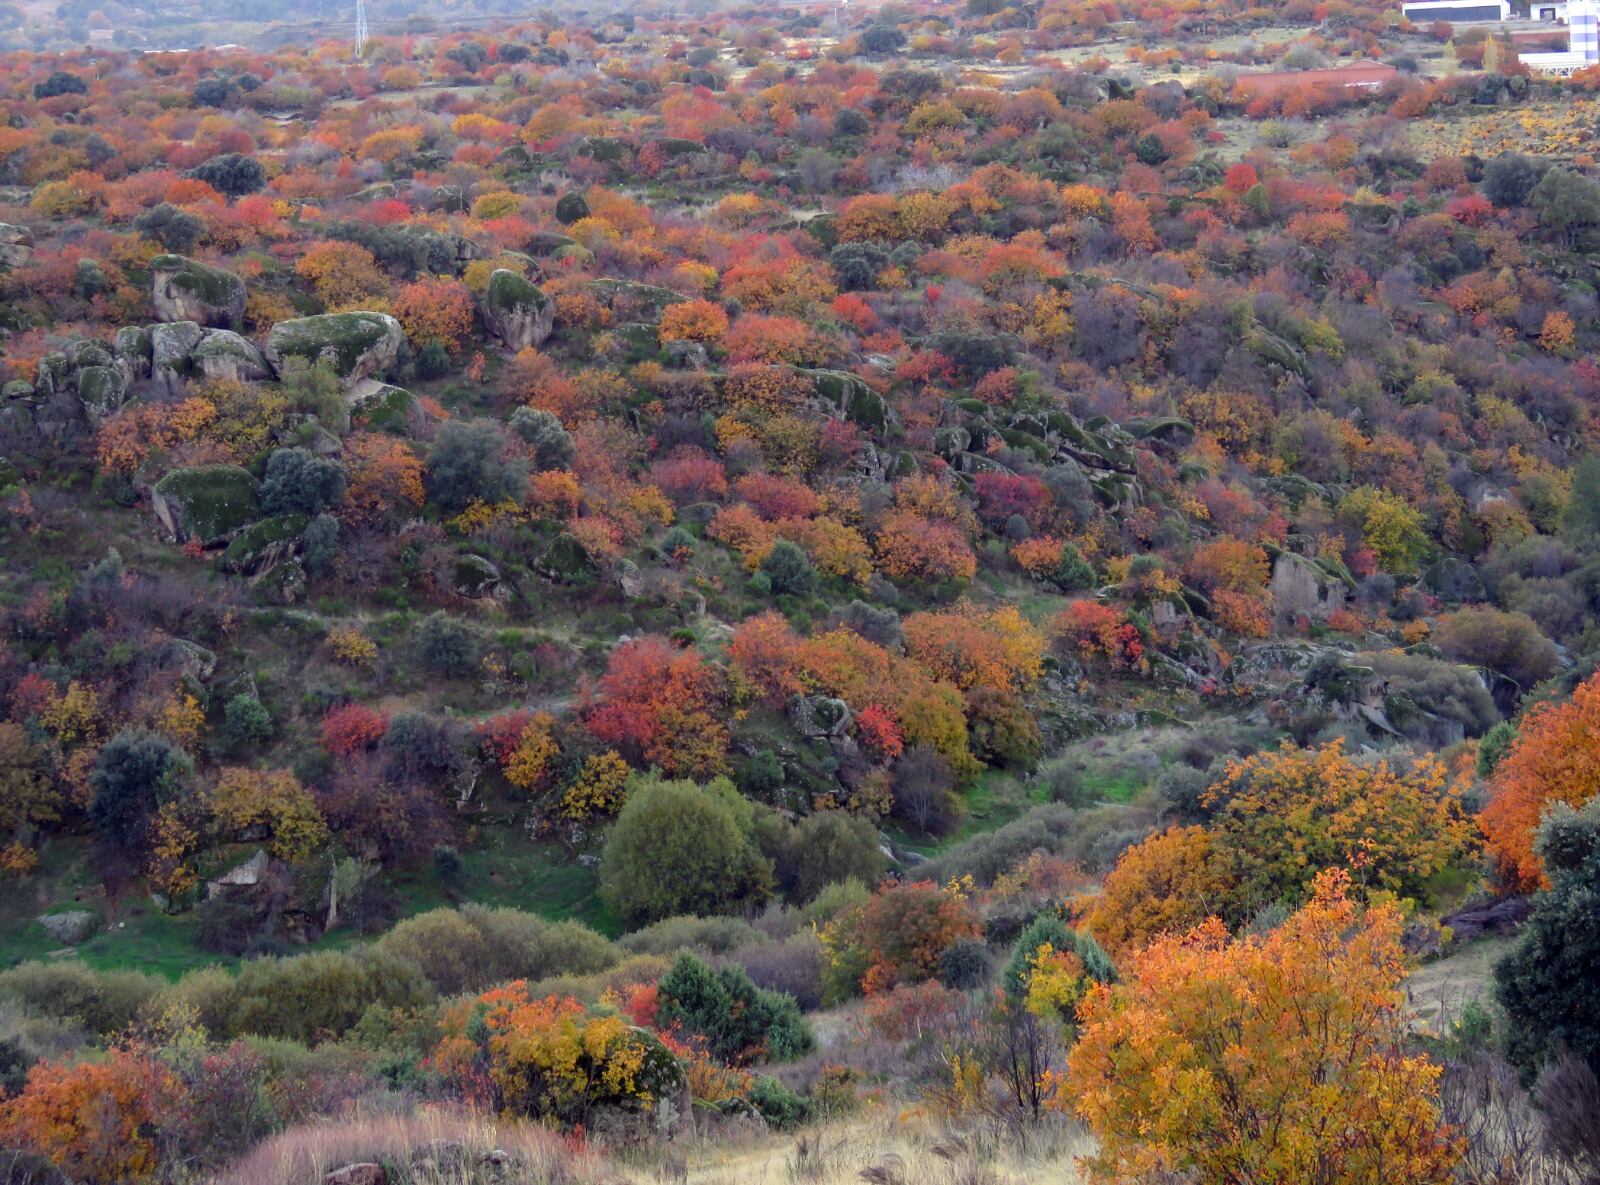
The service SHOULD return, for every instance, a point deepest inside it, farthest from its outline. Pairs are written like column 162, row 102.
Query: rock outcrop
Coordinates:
column 356, row 345
column 1301, row 589
column 72, row 926
column 172, row 348
column 223, row 354
column 16, row 245
column 185, row 290
column 207, row 503
column 516, row 311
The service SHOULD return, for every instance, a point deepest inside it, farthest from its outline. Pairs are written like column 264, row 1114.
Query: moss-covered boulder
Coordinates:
column 184, row 290
column 131, row 347
column 83, row 353
column 516, row 312
column 52, row 374
column 1303, row 589
column 475, row 576
column 101, row 390
column 850, row 394
column 171, row 348
column 383, row 407
column 547, row 242
column 650, row 297
column 566, row 562
column 357, row 345
column 223, row 354
column 206, row 503
column 264, row 544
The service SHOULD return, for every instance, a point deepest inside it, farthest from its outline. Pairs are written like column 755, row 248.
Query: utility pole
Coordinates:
column 361, row 28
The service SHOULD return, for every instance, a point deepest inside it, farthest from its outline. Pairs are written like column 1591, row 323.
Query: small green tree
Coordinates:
column 1048, row 929
column 1548, row 985
column 789, row 570
column 447, row 644
column 246, row 720
column 542, row 430
column 133, row 775
column 470, row 461
column 830, row 846
column 681, row 848
column 299, row 482
column 740, row 1022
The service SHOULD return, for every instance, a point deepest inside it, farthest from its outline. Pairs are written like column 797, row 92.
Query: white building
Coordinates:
column 1583, row 42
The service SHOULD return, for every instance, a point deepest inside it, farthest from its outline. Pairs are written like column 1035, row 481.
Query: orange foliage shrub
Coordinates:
column 97, row 1120
column 1163, row 885
column 1215, row 1058
column 436, row 310
column 1555, row 758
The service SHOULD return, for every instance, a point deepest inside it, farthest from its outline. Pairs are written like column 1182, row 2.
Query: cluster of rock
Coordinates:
column 201, row 312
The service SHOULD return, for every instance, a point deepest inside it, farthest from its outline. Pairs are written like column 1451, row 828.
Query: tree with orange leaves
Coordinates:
column 910, row 547
column 1131, row 220
column 341, row 274
column 999, row 649
column 660, row 705
column 548, row 1057
column 1163, row 885
column 385, row 477
column 1277, row 1058
column 1555, row 758
column 436, row 309
column 905, row 928
column 695, row 321
column 97, row 1121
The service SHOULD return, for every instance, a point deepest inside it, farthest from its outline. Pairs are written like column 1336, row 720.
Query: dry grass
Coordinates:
column 883, row 1147
column 428, row 1146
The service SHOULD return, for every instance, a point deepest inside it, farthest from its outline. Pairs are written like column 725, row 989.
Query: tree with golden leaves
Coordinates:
column 1263, row 1059
column 1164, row 885
column 1285, row 815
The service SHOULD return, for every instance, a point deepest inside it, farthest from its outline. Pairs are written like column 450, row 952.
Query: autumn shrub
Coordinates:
column 99, row 1121
column 1548, row 762
column 659, row 705
column 904, row 930
column 1216, row 1057
column 1283, row 816
column 550, row 1058
column 1166, row 884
